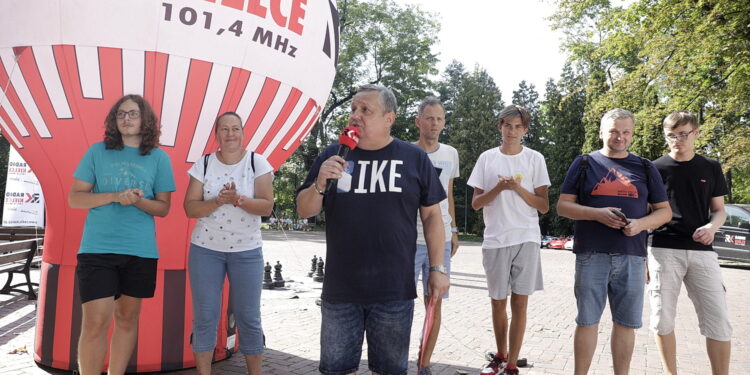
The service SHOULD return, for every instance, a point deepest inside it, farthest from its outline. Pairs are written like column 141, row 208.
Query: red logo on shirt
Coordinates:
column 615, row 184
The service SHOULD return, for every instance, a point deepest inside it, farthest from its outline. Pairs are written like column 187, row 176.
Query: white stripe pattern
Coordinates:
column 217, row 85
column 45, row 61
column 293, row 117
column 174, row 93
column 273, row 112
column 88, row 71
column 22, row 90
column 133, row 71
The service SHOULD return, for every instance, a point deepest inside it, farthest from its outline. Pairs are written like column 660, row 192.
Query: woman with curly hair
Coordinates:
column 123, row 182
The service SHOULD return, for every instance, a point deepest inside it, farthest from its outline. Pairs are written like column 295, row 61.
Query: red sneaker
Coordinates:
column 495, row 366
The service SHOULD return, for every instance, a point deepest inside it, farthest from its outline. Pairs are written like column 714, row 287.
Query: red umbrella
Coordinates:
column 429, row 318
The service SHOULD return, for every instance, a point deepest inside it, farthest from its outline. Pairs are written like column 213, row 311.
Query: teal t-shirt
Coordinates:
column 114, row 228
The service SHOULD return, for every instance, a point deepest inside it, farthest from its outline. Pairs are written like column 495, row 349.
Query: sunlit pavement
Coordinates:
column 291, row 321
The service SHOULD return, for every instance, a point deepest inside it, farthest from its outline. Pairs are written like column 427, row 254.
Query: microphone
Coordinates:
column 347, row 141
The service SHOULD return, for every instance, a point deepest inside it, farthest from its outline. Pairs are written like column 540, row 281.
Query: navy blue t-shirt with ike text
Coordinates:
column 371, row 223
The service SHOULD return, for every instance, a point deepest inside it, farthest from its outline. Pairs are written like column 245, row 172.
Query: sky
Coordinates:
column 511, row 39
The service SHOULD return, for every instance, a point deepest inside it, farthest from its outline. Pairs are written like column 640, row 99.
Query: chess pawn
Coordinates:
column 278, row 281
column 319, row 274
column 267, row 282
column 313, row 266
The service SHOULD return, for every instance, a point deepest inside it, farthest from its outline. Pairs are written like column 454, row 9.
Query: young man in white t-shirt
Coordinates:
column 510, row 182
column 430, row 121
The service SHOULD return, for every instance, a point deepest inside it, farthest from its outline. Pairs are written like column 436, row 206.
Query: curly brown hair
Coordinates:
column 150, row 126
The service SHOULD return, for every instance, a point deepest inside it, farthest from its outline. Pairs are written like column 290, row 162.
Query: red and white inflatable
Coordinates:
column 63, row 63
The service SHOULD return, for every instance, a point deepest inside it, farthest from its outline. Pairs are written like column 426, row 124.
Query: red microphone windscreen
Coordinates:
column 349, row 137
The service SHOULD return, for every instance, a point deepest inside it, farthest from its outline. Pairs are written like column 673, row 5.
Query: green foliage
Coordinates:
column 562, row 112
column 658, row 56
column 385, row 43
column 473, row 103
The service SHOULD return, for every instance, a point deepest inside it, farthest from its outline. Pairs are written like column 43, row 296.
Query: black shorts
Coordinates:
column 112, row 275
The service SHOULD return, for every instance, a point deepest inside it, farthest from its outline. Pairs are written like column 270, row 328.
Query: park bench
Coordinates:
column 18, row 257
column 20, row 233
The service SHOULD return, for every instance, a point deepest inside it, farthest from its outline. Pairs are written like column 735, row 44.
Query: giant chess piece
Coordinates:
column 313, row 266
column 278, row 281
column 319, row 274
column 267, row 282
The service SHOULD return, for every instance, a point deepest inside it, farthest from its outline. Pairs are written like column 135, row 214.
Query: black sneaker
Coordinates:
column 494, row 367
column 508, row 371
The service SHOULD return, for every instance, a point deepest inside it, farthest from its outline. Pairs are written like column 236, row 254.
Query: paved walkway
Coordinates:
column 291, row 321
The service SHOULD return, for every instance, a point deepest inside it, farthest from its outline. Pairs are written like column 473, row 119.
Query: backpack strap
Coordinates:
column 582, row 167
column 252, row 161
column 205, row 165
column 647, row 168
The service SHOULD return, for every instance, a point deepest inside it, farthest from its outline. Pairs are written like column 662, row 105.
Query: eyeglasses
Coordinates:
column 676, row 137
column 132, row 114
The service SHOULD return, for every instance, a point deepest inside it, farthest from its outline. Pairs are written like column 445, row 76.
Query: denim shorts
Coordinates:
column 618, row 276
column 422, row 265
column 388, row 328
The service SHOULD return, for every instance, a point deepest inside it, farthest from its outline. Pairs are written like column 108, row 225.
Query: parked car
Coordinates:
column 731, row 240
column 557, row 243
column 568, row 244
column 545, row 241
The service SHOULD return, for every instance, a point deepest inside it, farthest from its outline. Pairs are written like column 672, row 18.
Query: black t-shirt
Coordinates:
column 614, row 182
column 690, row 187
column 371, row 232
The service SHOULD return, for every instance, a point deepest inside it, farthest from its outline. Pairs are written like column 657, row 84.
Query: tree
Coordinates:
column 562, row 113
column 382, row 43
column 657, row 56
column 526, row 96
column 473, row 111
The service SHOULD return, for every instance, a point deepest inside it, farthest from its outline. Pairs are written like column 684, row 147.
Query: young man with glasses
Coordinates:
column 681, row 250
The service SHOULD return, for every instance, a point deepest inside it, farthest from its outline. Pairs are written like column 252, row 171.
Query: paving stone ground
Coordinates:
column 291, row 321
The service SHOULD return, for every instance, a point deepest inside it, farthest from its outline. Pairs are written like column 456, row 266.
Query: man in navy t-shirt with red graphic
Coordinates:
column 371, row 213
column 681, row 250
column 615, row 198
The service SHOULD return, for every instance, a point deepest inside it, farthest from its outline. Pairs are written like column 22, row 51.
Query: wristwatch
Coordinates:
column 440, row 268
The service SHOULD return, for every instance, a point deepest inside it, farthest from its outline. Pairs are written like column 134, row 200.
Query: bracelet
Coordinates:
column 319, row 190
column 454, row 229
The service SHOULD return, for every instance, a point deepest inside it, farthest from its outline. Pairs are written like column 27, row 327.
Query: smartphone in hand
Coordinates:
column 620, row 215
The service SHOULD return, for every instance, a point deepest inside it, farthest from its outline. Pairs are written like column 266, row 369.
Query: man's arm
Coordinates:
column 432, row 222
column 538, row 199
column 706, row 233
column 452, row 212
column 309, row 200
column 661, row 213
column 568, row 207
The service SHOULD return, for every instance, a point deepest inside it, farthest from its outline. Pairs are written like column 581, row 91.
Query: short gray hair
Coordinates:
column 616, row 114
column 387, row 98
column 428, row 101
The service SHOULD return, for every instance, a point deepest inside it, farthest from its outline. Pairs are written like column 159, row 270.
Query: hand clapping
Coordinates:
column 228, row 194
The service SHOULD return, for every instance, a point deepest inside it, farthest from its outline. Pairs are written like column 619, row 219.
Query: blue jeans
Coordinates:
column 245, row 272
column 617, row 276
column 388, row 328
column 422, row 265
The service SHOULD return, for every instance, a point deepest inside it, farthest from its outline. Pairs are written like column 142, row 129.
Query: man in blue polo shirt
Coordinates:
column 609, row 193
